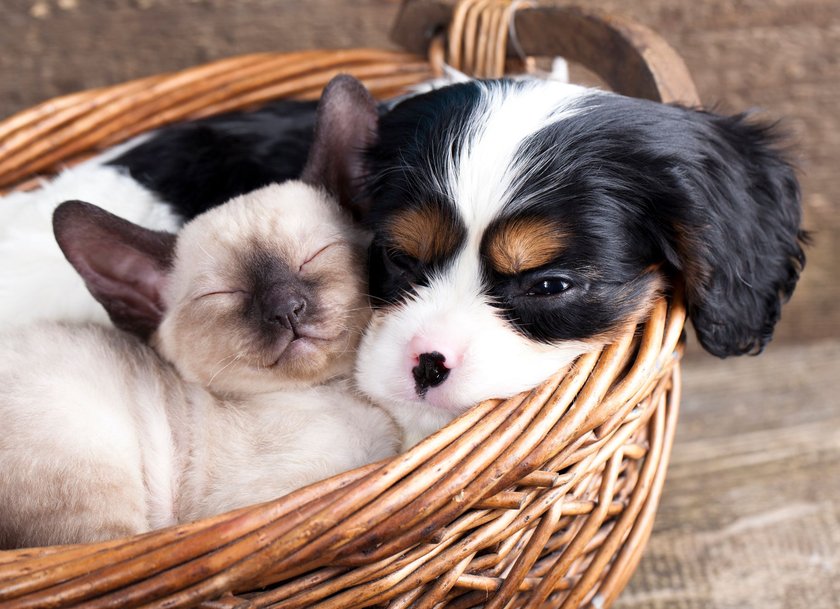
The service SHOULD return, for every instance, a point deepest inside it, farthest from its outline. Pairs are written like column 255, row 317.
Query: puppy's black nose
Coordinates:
column 430, row 371
column 286, row 311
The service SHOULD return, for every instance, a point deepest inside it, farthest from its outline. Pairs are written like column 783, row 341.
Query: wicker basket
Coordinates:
column 542, row 500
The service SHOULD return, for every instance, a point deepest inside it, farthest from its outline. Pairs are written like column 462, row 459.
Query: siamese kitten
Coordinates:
column 225, row 386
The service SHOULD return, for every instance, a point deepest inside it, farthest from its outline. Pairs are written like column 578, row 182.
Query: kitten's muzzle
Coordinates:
column 430, row 371
column 287, row 309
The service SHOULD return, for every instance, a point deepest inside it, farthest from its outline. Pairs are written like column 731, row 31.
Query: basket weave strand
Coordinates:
column 578, row 463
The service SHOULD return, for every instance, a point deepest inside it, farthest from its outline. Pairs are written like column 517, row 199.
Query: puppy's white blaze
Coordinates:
column 480, row 182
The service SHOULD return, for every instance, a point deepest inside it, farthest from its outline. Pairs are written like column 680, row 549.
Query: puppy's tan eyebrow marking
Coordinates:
column 425, row 232
column 522, row 244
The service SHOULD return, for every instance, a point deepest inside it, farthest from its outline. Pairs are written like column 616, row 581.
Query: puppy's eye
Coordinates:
column 549, row 286
column 401, row 262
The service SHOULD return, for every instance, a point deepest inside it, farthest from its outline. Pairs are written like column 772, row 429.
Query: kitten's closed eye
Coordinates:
column 233, row 292
column 318, row 253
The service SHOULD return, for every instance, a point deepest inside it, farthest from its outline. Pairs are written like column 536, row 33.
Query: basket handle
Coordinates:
column 630, row 57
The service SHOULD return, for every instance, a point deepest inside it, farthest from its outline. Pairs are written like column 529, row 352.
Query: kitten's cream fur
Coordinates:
column 228, row 402
column 103, row 437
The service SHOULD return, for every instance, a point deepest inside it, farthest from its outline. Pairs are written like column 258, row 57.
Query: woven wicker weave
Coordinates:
column 545, row 499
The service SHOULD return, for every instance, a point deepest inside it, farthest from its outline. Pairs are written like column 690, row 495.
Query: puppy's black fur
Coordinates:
column 196, row 165
column 638, row 187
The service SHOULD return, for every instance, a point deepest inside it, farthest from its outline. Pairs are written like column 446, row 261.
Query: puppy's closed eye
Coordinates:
column 393, row 272
column 403, row 263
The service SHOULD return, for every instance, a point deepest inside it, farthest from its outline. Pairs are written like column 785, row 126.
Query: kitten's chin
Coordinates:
column 305, row 351
column 306, row 361
column 253, row 381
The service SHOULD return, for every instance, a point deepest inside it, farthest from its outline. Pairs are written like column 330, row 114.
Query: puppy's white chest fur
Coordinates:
column 36, row 282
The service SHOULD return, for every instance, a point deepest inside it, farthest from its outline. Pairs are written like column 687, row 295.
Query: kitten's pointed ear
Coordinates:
column 123, row 265
column 345, row 126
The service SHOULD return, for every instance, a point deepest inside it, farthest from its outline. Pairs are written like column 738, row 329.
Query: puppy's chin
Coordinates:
column 498, row 363
column 420, row 417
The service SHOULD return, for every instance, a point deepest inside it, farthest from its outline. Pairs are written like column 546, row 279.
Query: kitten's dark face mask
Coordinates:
column 288, row 309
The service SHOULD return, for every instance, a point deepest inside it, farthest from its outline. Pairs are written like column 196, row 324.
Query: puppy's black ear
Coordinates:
column 123, row 265
column 345, row 125
column 735, row 215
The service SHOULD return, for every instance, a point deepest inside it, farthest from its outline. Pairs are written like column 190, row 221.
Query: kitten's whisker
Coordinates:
column 206, row 253
column 235, row 357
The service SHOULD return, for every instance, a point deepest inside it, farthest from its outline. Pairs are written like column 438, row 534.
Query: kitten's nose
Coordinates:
column 430, row 371
column 286, row 311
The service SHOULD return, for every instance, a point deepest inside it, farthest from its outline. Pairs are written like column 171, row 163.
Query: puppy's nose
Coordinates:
column 286, row 311
column 430, row 371
column 451, row 348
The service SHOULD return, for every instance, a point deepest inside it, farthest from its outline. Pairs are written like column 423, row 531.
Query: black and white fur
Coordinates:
column 636, row 195
column 158, row 181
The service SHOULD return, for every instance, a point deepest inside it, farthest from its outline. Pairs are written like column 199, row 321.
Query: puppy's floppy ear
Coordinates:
column 123, row 265
column 735, row 215
column 345, row 126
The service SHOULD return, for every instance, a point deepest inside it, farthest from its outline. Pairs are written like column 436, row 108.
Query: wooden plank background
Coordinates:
column 750, row 517
column 750, row 513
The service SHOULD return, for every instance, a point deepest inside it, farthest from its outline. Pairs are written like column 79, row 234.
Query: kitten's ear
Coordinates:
column 346, row 124
column 123, row 265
